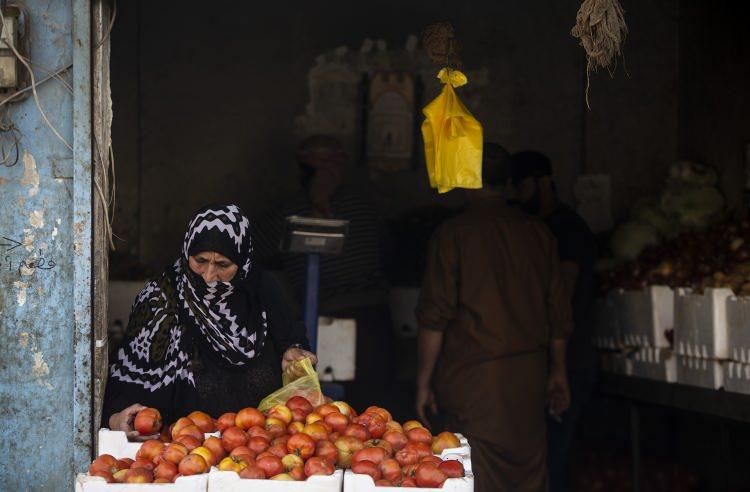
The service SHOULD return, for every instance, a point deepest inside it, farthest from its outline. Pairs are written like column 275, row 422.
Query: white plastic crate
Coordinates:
column 619, row 363
column 606, row 322
column 737, row 377
column 354, row 482
column 116, row 443
column 646, row 316
column 195, row 483
column 403, row 303
column 704, row 373
column 337, row 344
column 701, row 323
column 656, row 364
column 219, row 481
column 738, row 328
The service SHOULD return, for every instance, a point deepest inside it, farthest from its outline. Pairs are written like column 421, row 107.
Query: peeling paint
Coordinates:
column 21, row 294
column 30, row 174
column 41, row 370
column 28, row 240
column 23, row 339
column 54, row 231
column 36, row 219
column 26, row 271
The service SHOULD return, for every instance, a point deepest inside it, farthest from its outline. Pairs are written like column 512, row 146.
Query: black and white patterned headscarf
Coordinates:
column 179, row 309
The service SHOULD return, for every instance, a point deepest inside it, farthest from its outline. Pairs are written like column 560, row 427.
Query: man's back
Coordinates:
column 493, row 285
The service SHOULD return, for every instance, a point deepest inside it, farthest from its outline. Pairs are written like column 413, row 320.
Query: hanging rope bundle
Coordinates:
column 440, row 43
column 600, row 25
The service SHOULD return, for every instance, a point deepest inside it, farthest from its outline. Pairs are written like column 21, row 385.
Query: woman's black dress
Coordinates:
column 220, row 388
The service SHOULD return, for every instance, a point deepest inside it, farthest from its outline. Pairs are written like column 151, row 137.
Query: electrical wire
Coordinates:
column 55, row 74
column 107, row 162
column 106, row 157
column 26, row 64
column 109, row 27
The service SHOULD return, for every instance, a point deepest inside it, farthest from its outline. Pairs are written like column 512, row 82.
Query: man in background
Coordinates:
column 352, row 284
column 536, row 194
column 494, row 318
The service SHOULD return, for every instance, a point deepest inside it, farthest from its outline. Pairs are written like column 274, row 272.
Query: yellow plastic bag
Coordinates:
column 452, row 138
column 300, row 379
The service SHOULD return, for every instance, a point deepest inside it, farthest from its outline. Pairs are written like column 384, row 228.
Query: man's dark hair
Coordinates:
column 529, row 163
column 495, row 165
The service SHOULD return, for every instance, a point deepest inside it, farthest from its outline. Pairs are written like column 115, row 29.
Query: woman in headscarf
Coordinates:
column 211, row 333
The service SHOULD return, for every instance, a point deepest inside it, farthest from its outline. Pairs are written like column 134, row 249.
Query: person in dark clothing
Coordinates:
column 352, row 284
column 536, row 194
column 493, row 322
column 212, row 333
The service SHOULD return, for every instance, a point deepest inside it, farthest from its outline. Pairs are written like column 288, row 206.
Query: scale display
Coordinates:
column 314, row 236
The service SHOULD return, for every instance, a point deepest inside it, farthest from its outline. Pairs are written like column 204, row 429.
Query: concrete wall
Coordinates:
column 212, row 114
column 45, row 263
column 220, row 89
column 714, row 85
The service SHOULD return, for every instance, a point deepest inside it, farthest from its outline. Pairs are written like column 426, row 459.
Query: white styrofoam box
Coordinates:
column 194, row 483
column 116, row 443
column 738, row 328
column 646, row 316
column 697, row 371
column 617, row 363
column 607, row 333
column 355, row 482
column 121, row 297
column 655, row 363
column 219, row 481
column 403, row 302
column 701, row 323
column 337, row 348
column 737, row 377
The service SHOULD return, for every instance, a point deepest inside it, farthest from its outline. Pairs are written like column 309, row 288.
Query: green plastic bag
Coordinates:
column 299, row 379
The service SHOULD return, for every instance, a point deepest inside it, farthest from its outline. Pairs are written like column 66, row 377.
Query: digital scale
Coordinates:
column 315, row 237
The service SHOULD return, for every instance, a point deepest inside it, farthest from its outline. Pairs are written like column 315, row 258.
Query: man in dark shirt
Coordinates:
column 494, row 317
column 352, row 284
column 536, row 194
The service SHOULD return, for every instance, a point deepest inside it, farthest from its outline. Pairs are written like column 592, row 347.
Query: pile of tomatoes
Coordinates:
column 293, row 441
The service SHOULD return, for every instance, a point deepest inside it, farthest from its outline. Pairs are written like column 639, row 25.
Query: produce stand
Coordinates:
column 723, row 405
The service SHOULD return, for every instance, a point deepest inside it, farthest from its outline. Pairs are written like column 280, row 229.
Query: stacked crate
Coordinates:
column 737, row 368
column 607, row 337
column 647, row 320
column 701, row 337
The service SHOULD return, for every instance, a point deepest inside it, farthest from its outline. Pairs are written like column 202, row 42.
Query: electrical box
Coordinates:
column 8, row 62
column 13, row 41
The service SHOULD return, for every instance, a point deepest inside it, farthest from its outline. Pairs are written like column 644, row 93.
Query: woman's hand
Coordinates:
column 123, row 421
column 295, row 353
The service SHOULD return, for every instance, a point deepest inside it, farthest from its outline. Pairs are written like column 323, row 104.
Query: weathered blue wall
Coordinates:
column 43, row 396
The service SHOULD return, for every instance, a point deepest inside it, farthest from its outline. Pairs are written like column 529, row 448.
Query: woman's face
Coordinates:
column 213, row 266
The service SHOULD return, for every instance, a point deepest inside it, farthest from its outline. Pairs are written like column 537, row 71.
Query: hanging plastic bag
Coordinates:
column 299, row 379
column 452, row 138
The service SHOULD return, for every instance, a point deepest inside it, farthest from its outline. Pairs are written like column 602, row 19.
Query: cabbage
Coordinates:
column 631, row 238
column 649, row 212
column 692, row 173
column 694, row 206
